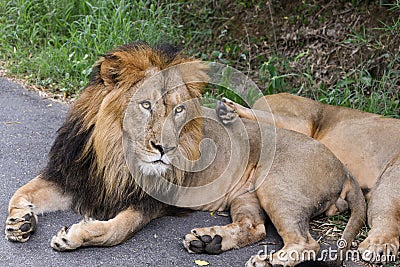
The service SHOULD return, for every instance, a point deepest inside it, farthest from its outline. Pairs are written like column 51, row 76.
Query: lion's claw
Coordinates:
column 377, row 249
column 19, row 229
column 61, row 242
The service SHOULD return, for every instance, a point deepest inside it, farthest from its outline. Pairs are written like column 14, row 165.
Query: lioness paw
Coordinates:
column 195, row 243
column 63, row 241
column 258, row 261
column 20, row 225
column 379, row 249
column 226, row 111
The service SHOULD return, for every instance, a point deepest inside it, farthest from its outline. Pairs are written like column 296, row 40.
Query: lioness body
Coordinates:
column 144, row 103
column 368, row 145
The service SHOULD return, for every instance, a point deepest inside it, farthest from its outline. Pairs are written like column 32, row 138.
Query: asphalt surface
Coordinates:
column 28, row 125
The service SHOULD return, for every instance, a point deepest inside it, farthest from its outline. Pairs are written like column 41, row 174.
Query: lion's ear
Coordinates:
column 123, row 67
column 109, row 69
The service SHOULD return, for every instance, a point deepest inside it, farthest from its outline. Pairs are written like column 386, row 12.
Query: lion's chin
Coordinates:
column 156, row 168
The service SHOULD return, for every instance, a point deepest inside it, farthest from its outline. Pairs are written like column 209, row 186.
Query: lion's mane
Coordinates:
column 86, row 159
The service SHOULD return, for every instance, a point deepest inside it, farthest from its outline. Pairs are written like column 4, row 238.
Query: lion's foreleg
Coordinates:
column 37, row 196
column 90, row 232
column 247, row 228
column 382, row 243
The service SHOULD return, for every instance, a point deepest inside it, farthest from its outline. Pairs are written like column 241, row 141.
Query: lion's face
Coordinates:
column 158, row 122
column 126, row 128
column 139, row 108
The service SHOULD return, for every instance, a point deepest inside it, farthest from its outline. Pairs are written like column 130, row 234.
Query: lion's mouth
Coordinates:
column 154, row 167
column 159, row 161
column 153, row 164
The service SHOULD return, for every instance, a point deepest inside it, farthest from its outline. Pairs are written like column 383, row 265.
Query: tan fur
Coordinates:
column 109, row 117
column 366, row 143
column 94, row 233
column 101, row 109
column 285, row 193
column 45, row 196
column 110, row 112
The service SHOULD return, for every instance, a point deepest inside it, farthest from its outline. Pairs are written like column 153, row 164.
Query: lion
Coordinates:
column 368, row 144
column 134, row 148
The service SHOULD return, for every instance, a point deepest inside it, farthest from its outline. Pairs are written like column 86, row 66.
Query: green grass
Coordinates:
column 53, row 44
column 356, row 86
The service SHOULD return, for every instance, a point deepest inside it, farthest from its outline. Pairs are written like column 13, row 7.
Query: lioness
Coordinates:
column 131, row 149
column 368, row 145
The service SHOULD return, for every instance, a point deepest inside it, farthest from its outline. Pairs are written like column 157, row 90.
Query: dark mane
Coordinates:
column 75, row 174
column 88, row 163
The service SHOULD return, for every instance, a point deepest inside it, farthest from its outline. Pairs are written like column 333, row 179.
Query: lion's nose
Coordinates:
column 162, row 149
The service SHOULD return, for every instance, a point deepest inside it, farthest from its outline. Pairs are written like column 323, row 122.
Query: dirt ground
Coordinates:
column 326, row 40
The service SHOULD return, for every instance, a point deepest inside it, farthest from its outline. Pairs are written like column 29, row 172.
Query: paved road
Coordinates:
column 28, row 124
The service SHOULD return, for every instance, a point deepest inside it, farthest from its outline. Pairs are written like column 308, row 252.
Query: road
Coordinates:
column 28, row 125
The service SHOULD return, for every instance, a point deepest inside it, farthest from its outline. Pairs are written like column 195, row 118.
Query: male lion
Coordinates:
column 368, row 145
column 144, row 101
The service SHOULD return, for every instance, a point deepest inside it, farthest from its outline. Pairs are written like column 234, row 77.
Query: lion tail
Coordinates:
column 358, row 208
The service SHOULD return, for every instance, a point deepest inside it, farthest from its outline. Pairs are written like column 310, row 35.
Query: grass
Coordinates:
column 53, row 44
column 362, row 84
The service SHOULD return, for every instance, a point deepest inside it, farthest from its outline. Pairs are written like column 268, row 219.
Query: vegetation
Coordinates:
column 333, row 51
column 282, row 45
column 54, row 43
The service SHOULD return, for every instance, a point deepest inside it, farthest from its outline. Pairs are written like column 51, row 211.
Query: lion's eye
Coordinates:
column 179, row 109
column 146, row 105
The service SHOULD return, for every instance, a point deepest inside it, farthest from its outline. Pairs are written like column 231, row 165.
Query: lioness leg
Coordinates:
column 247, row 228
column 298, row 247
column 37, row 196
column 228, row 111
column 382, row 243
column 291, row 219
column 90, row 232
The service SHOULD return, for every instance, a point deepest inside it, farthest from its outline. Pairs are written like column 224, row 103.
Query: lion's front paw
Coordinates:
column 63, row 241
column 196, row 243
column 20, row 225
column 226, row 111
column 258, row 261
column 379, row 248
